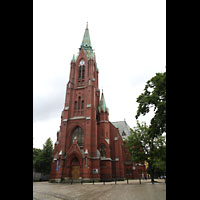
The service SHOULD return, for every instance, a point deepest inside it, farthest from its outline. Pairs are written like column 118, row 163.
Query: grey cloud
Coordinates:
column 48, row 108
column 49, row 104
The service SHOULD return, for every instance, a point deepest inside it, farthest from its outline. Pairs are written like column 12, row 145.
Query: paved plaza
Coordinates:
column 99, row 191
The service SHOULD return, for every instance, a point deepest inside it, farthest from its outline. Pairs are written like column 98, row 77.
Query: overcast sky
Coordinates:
column 129, row 39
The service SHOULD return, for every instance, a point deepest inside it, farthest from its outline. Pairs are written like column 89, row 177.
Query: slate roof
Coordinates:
column 123, row 127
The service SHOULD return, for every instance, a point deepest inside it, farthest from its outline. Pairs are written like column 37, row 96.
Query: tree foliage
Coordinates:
column 154, row 96
column 42, row 158
column 147, row 143
column 36, row 153
column 143, row 147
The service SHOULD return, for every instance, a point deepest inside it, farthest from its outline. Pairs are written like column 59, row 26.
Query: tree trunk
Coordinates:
column 152, row 177
column 151, row 173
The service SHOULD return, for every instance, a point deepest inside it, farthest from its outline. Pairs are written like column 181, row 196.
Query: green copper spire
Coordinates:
column 86, row 38
column 102, row 104
column 86, row 44
column 73, row 59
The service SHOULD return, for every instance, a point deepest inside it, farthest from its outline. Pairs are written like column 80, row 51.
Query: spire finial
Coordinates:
column 87, row 25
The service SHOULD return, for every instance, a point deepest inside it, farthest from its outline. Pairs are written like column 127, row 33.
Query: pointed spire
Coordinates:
column 73, row 59
column 102, row 104
column 86, row 38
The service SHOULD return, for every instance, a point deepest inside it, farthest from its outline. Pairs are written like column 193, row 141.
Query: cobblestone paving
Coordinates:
column 99, row 191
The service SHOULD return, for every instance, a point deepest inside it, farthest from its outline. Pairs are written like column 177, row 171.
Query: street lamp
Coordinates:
column 86, row 153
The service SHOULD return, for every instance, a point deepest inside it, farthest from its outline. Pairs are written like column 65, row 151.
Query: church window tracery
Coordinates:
column 81, row 73
column 78, row 133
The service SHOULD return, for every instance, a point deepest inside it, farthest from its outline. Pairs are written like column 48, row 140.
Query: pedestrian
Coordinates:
column 142, row 176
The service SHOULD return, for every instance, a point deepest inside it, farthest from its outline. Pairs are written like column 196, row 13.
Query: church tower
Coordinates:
column 76, row 142
column 89, row 147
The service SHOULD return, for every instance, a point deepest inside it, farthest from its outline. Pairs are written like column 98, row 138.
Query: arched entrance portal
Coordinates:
column 75, row 166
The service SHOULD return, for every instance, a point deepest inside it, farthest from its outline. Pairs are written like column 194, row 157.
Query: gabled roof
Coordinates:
column 123, row 127
column 75, row 149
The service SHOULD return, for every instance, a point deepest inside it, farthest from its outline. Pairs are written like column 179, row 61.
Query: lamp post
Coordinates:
column 133, row 172
column 86, row 153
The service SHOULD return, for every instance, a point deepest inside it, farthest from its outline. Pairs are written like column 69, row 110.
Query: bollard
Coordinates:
column 71, row 181
column 140, row 180
column 93, row 181
column 104, row 182
column 127, row 180
column 115, row 182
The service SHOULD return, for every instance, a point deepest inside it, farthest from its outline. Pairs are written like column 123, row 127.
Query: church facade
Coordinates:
column 90, row 147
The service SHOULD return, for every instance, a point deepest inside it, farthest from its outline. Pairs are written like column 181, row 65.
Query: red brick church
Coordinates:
column 90, row 147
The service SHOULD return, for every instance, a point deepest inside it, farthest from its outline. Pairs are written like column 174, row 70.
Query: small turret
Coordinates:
column 73, row 59
column 103, row 109
column 102, row 104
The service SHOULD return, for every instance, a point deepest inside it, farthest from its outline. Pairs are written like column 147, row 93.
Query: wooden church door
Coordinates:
column 75, row 172
column 75, row 169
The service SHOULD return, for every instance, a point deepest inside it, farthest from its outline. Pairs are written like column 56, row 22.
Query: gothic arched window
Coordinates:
column 79, row 102
column 75, row 105
column 79, row 73
column 103, row 150
column 82, row 105
column 75, row 162
column 78, row 133
column 83, row 72
column 123, row 134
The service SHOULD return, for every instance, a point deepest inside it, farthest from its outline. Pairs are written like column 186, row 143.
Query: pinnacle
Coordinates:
column 102, row 104
column 73, row 58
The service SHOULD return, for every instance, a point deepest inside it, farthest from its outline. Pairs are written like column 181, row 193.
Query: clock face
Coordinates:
column 82, row 62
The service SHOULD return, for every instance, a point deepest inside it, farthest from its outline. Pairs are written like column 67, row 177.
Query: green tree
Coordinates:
column 36, row 153
column 43, row 160
column 160, row 161
column 148, row 142
column 154, row 96
column 143, row 147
